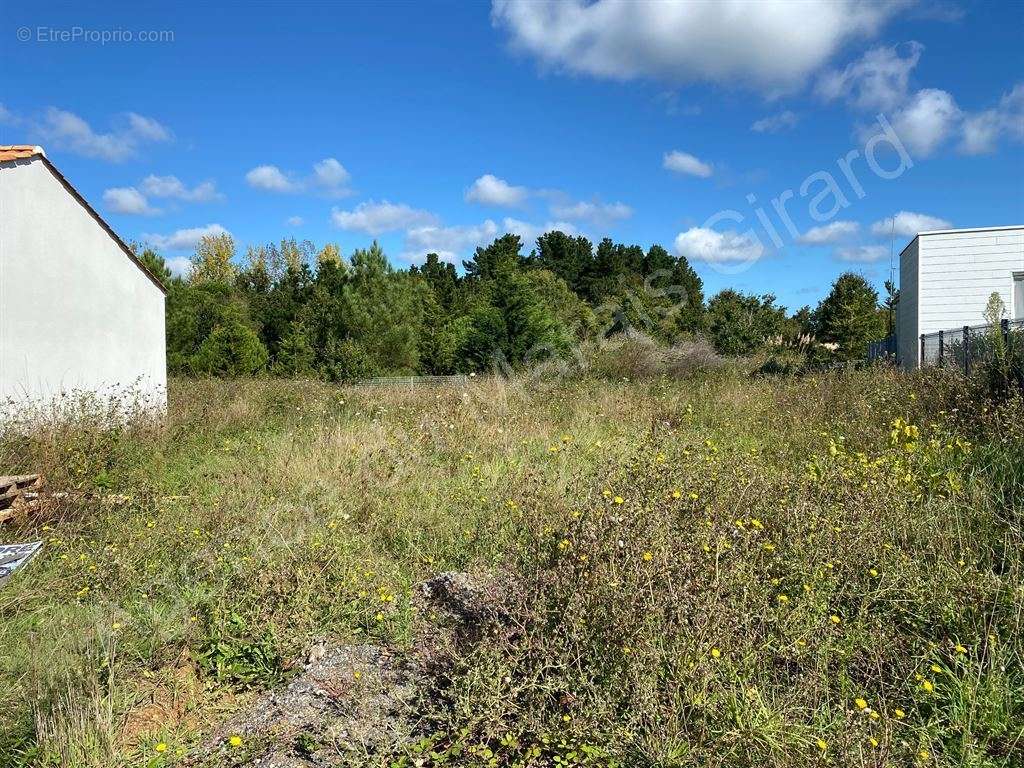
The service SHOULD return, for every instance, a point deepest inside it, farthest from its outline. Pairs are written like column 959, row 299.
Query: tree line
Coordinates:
column 291, row 309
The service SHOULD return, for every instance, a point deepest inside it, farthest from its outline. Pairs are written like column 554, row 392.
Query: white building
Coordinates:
column 947, row 277
column 78, row 311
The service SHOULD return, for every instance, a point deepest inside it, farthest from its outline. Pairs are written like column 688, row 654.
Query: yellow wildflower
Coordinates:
column 235, row 741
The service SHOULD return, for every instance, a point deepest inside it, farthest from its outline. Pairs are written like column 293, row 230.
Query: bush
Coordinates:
column 637, row 357
column 230, row 350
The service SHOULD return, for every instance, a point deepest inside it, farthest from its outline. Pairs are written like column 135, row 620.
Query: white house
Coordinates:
column 947, row 277
column 78, row 311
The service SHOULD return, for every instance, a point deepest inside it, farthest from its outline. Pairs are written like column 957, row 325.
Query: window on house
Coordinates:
column 1018, row 296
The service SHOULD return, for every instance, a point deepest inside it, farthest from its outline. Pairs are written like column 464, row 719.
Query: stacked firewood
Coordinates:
column 19, row 494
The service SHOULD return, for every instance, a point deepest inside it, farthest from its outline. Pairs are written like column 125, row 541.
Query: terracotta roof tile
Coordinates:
column 19, row 152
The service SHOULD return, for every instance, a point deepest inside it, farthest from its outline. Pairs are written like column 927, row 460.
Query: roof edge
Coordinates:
column 970, row 229
column 1006, row 228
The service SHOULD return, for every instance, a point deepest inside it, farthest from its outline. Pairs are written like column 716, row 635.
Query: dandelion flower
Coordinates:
column 873, row 741
column 235, row 741
column 161, row 747
column 923, row 754
column 961, row 650
column 822, row 745
column 861, row 704
column 783, row 599
column 834, row 619
column 900, row 714
column 936, row 668
column 874, row 573
column 928, row 686
column 648, row 556
column 677, row 494
column 715, row 653
column 619, row 500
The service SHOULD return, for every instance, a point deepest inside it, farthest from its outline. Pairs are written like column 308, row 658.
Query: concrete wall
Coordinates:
column 908, row 350
column 959, row 271
column 76, row 313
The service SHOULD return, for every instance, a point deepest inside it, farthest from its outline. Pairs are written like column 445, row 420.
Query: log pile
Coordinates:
column 19, row 494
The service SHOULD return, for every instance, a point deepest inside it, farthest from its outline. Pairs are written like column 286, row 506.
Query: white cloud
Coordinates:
column 529, row 233
column 295, row 221
column 172, row 187
column 829, row 233
column 596, row 212
column 448, row 242
column 270, row 178
column 782, row 121
column 146, row 128
column 183, row 239
column 683, row 162
column 927, row 120
column 773, row 44
column 332, row 177
column 375, row 218
column 490, row 190
column 329, row 177
column 67, row 130
column 128, row 200
column 703, row 244
column 908, row 224
column 179, row 265
column 982, row 131
column 878, row 80
column 862, row 253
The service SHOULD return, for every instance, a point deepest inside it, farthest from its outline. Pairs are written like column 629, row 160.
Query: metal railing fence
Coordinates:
column 966, row 346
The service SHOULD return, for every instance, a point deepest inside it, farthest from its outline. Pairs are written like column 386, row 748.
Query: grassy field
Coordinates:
column 719, row 571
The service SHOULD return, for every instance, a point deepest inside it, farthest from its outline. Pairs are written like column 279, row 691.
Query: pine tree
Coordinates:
column 849, row 316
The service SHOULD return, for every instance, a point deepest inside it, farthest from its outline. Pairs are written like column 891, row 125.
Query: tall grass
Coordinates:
column 713, row 571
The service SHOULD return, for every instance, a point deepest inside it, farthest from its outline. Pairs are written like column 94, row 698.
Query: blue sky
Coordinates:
column 437, row 125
